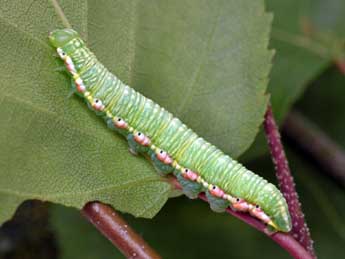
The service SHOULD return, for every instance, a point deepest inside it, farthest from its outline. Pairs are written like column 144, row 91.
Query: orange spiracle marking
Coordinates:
column 120, row 123
column 164, row 157
column 141, row 139
column 240, row 205
column 216, row 191
column 190, row 175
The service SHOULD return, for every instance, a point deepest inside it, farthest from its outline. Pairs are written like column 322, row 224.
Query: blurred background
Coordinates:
column 307, row 90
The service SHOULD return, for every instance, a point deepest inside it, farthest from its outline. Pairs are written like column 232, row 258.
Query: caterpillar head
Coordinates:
column 60, row 38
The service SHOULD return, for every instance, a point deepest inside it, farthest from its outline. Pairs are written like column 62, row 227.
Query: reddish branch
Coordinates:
column 115, row 228
column 286, row 241
column 317, row 144
column 297, row 243
column 299, row 230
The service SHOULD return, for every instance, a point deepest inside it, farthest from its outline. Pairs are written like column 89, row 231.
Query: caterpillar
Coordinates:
column 172, row 147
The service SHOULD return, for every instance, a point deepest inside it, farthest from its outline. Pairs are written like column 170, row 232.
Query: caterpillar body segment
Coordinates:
column 172, row 146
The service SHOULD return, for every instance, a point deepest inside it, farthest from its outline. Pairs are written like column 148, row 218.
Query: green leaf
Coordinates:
column 47, row 158
column 207, row 62
column 308, row 36
column 329, row 114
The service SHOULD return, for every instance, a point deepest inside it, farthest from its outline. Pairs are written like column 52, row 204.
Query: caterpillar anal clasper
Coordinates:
column 172, row 146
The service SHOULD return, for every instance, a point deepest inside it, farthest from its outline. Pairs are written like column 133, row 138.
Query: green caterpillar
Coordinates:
column 171, row 145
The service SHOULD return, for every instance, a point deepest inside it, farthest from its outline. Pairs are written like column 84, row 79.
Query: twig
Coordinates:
column 317, row 144
column 286, row 241
column 297, row 243
column 115, row 228
column 61, row 14
column 300, row 229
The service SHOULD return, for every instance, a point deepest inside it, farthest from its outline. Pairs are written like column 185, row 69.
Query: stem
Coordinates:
column 61, row 14
column 300, row 229
column 316, row 143
column 115, row 228
column 286, row 241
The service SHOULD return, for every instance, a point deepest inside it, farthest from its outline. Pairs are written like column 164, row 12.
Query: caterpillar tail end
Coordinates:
column 272, row 228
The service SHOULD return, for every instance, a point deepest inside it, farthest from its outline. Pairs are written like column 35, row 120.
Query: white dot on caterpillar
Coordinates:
column 205, row 184
column 78, row 81
column 229, row 198
column 177, row 166
column 89, row 98
column 199, row 179
column 61, row 53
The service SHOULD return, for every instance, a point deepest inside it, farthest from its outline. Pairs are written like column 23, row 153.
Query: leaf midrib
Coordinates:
column 46, row 196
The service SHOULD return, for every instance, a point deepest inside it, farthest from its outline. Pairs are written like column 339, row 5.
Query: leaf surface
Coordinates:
column 308, row 36
column 207, row 62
